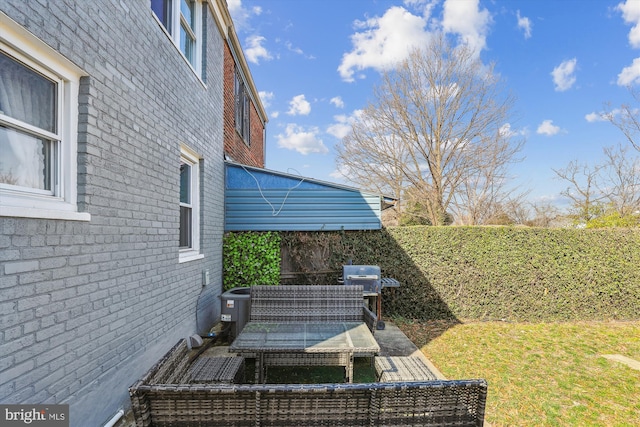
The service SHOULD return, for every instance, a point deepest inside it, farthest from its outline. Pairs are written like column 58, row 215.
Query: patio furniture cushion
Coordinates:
column 220, row 369
column 402, row 368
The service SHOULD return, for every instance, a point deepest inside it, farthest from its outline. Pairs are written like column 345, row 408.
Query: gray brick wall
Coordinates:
column 88, row 307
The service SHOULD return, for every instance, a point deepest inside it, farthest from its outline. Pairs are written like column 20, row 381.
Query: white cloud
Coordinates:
column 341, row 127
column 299, row 106
column 234, row 6
column 548, row 128
column 603, row 116
column 631, row 74
column 420, row 4
column 525, row 24
column 383, row 41
column 337, row 102
column 631, row 14
column 467, row 20
column 342, row 124
column 507, row 131
column 304, row 141
column 563, row 75
column 255, row 50
column 266, row 98
column 240, row 15
column 342, row 172
column 293, row 49
column 595, row 117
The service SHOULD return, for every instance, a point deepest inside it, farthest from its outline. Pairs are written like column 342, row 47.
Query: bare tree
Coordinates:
column 544, row 214
column 582, row 191
column 376, row 166
column 436, row 125
column 620, row 180
column 484, row 194
column 627, row 120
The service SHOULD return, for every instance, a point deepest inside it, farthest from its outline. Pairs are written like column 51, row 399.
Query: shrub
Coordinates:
column 511, row 273
column 251, row 259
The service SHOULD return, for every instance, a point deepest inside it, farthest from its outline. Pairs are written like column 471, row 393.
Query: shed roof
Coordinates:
column 266, row 200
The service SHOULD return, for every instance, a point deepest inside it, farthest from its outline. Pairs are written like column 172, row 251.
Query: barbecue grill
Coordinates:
column 369, row 277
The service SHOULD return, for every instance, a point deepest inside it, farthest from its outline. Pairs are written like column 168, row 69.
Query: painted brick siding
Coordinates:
column 234, row 145
column 88, row 307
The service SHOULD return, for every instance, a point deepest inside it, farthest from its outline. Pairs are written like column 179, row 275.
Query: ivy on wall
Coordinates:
column 251, row 258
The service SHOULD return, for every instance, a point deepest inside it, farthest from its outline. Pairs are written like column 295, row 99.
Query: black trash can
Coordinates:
column 236, row 304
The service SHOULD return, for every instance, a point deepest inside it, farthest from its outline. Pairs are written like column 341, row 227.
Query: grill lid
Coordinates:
column 371, row 272
column 366, row 275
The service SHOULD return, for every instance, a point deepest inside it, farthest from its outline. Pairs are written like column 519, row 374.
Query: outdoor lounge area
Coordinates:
column 218, row 388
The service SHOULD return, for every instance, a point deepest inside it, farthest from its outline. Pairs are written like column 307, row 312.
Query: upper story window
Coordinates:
column 242, row 108
column 181, row 20
column 38, row 128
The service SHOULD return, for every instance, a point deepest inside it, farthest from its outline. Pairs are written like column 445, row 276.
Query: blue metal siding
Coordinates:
column 260, row 200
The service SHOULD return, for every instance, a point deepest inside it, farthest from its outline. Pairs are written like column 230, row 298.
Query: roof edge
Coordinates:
column 387, row 201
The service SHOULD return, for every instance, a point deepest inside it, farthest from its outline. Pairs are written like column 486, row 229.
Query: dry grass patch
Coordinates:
column 550, row 374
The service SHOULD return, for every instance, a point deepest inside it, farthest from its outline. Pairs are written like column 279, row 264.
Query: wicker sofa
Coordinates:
column 311, row 304
column 166, row 396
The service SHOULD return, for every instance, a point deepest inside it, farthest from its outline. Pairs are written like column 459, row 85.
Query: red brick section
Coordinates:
column 234, row 145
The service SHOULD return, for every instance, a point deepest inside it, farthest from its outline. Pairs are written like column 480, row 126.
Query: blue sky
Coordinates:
column 315, row 63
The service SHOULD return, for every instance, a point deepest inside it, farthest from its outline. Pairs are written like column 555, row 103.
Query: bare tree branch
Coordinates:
column 627, row 119
column 621, row 180
column 582, row 191
column 435, row 127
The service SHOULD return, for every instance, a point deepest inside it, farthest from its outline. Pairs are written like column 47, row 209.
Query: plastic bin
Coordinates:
column 236, row 304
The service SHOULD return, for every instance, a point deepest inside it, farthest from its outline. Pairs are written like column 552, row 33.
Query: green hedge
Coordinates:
column 510, row 273
column 250, row 259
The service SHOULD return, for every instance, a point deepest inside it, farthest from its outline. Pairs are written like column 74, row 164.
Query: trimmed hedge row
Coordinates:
column 511, row 273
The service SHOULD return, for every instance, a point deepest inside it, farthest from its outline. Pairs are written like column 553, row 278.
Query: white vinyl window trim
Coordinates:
column 192, row 160
column 176, row 24
column 61, row 201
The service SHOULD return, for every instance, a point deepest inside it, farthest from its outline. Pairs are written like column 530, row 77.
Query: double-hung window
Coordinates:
column 38, row 128
column 182, row 20
column 242, row 108
column 189, row 235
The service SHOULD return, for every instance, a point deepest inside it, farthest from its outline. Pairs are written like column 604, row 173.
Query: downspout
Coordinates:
column 115, row 418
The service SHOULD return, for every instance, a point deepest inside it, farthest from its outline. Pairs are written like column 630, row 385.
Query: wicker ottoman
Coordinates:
column 402, row 368
column 221, row 369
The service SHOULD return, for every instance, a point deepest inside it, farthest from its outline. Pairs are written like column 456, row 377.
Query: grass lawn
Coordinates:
column 541, row 374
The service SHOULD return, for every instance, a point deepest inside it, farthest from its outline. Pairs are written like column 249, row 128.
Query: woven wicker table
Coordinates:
column 294, row 344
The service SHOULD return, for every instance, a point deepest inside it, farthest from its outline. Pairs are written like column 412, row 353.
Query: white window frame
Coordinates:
column 174, row 32
column 191, row 158
column 61, row 202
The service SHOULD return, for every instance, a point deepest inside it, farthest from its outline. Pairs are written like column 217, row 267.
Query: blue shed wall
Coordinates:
column 260, row 200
